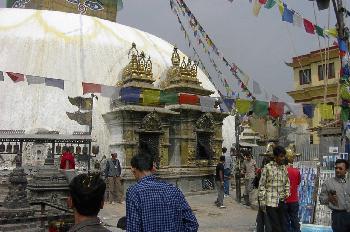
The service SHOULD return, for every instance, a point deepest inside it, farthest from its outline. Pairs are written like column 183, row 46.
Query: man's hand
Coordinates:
column 222, row 184
column 332, row 198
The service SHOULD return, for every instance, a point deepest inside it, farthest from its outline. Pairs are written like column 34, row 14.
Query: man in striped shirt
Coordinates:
column 274, row 188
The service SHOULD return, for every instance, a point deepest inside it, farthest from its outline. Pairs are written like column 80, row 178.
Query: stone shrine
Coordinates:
column 184, row 140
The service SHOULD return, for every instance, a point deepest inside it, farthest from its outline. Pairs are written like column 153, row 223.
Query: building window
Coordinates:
column 305, row 76
column 322, row 70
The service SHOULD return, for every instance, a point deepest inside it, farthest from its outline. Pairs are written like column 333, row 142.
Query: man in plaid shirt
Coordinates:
column 274, row 188
column 153, row 205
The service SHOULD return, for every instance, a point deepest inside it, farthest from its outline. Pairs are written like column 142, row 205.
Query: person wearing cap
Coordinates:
column 113, row 179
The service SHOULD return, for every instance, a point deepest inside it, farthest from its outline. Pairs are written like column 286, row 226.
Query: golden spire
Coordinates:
column 175, row 58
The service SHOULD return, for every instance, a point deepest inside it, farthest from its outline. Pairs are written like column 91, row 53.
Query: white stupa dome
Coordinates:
column 48, row 44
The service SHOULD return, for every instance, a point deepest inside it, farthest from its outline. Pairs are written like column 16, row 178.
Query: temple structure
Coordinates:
column 184, row 140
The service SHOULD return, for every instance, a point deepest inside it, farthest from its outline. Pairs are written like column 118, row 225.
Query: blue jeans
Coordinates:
column 227, row 173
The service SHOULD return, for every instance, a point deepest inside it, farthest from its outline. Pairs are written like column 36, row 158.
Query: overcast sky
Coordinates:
column 258, row 45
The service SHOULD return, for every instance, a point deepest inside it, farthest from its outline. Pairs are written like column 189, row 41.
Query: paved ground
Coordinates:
column 235, row 218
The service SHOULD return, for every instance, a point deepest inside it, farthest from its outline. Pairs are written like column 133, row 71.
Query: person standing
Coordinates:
column 249, row 169
column 335, row 193
column 219, row 179
column 153, row 205
column 112, row 174
column 67, row 164
column 292, row 202
column 227, row 171
column 273, row 189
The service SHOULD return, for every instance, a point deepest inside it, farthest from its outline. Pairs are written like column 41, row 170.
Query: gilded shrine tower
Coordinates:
column 184, row 138
column 104, row 9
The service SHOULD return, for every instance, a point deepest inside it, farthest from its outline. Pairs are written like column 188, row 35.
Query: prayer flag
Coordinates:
column 188, row 99
column 309, row 27
column 295, row 108
column 229, row 103
column 342, row 45
column 1, row 76
column 168, row 97
column 130, row 94
column 110, row 91
column 15, row 77
column 331, row 32
column 287, row 15
column 297, row 19
column 150, row 96
column 262, row 2
column 344, row 115
column 276, row 109
column 281, row 7
column 269, row 4
column 260, row 108
column 207, row 103
column 243, row 106
column 308, row 110
column 326, row 111
column 256, row 8
column 91, row 88
column 256, row 88
column 54, row 83
column 34, row 80
column 319, row 31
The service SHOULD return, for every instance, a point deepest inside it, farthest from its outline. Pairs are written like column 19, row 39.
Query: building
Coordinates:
column 104, row 9
column 310, row 86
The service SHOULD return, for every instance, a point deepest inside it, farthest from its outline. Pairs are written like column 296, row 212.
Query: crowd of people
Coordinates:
column 277, row 183
column 154, row 205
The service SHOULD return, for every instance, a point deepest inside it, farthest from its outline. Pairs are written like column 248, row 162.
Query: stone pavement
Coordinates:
column 234, row 218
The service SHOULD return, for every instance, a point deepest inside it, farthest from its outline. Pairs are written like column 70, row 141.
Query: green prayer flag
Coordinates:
column 260, row 108
column 168, row 97
column 344, row 115
column 269, row 4
column 319, row 31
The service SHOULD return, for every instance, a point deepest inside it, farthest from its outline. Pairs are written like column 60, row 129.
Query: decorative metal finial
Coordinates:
column 175, row 58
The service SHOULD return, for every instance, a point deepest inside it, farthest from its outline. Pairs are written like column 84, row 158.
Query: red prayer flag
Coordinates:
column 15, row 77
column 188, row 99
column 276, row 109
column 263, row 2
column 91, row 88
column 309, row 26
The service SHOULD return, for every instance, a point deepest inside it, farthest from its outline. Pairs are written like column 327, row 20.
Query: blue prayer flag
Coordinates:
column 287, row 15
column 342, row 45
column 308, row 110
column 130, row 94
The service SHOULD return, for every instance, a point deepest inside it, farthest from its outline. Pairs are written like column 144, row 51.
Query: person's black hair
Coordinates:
column 222, row 158
column 279, row 150
column 87, row 193
column 142, row 161
column 224, row 149
column 340, row 161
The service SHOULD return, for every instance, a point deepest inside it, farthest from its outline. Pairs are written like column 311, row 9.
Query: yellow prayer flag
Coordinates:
column 150, row 96
column 326, row 111
column 280, row 7
column 243, row 106
column 331, row 32
column 256, row 7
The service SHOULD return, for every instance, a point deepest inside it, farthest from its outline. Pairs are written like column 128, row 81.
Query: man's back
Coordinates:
column 153, row 205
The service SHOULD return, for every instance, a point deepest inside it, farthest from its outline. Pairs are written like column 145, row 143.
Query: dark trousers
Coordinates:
column 291, row 222
column 227, row 174
column 340, row 221
column 262, row 223
column 275, row 215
